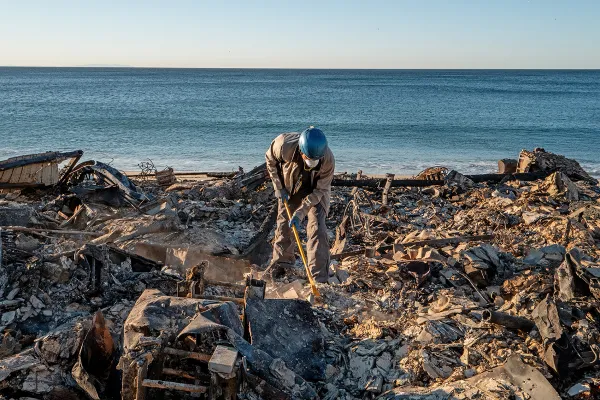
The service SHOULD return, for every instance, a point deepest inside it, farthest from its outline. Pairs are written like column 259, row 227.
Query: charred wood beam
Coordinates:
column 479, row 178
column 237, row 300
column 67, row 173
column 176, row 372
column 507, row 320
column 380, row 183
column 261, row 168
column 47, row 157
column 57, row 231
column 230, row 285
column 142, row 373
column 252, row 180
column 166, row 385
column 255, row 289
column 218, row 174
column 224, row 374
column 222, row 388
column 259, row 175
column 187, row 354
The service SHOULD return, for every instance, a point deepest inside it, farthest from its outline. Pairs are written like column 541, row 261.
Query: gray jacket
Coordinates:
column 284, row 171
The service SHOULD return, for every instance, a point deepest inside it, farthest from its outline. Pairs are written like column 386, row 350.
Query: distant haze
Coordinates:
column 105, row 66
column 302, row 34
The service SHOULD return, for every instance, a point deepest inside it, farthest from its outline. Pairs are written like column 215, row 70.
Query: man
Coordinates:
column 301, row 167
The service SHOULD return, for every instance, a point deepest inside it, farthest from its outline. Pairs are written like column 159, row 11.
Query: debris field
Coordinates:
column 442, row 286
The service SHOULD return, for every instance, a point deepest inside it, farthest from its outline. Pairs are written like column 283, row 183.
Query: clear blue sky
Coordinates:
column 302, row 33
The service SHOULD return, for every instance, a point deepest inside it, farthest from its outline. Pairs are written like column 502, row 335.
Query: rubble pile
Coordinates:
column 444, row 286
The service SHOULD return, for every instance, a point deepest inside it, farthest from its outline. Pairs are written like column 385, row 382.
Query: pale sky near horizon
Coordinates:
column 302, row 34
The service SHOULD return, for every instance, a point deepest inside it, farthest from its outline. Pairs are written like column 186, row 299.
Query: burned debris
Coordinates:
column 443, row 285
column 37, row 170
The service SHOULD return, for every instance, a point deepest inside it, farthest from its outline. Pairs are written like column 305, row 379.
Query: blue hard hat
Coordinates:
column 313, row 143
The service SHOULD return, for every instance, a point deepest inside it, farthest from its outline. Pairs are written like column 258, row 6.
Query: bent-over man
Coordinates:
column 301, row 167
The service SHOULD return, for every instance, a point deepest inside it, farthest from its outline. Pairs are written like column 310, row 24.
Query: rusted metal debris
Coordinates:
column 96, row 358
column 165, row 177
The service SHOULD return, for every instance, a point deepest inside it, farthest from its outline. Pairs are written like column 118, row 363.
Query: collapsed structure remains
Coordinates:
column 443, row 286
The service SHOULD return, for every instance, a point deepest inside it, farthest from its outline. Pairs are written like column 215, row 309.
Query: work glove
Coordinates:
column 295, row 221
column 298, row 217
column 282, row 195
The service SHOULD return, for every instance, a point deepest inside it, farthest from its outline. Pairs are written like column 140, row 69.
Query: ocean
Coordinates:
column 398, row 121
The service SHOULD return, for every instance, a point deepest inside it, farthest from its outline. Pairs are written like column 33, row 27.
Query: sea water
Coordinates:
column 399, row 121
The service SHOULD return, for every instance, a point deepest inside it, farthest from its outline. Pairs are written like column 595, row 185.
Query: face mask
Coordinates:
column 311, row 163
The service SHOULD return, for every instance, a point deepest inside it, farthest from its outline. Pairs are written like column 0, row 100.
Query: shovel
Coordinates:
column 311, row 280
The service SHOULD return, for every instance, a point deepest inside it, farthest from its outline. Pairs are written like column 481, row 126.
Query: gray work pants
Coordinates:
column 317, row 248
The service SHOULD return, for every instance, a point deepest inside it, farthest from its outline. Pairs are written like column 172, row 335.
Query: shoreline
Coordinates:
column 205, row 175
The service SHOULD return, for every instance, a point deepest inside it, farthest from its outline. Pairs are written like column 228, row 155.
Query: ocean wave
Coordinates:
column 227, row 164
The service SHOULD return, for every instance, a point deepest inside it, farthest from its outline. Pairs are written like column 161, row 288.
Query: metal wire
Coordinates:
column 147, row 168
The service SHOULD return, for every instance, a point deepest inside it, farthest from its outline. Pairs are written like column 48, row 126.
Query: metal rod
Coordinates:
column 238, row 300
column 176, row 372
column 142, row 372
column 184, row 387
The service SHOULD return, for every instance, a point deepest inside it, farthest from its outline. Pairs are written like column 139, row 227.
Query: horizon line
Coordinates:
column 110, row 66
